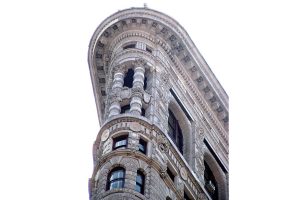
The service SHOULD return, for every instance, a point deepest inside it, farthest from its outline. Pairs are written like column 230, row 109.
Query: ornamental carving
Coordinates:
column 147, row 97
column 163, row 173
column 202, row 196
column 140, row 62
column 163, row 144
column 119, row 68
column 137, row 92
column 104, row 135
column 125, row 93
column 183, row 173
column 164, row 77
column 135, row 126
column 114, row 97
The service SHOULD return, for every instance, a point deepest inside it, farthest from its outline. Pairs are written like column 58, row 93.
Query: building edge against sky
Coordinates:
column 163, row 114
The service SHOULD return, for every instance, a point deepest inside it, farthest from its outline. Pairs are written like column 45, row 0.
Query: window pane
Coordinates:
column 117, row 174
column 120, row 143
column 141, row 148
column 138, row 188
column 116, row 184
column 139, row 179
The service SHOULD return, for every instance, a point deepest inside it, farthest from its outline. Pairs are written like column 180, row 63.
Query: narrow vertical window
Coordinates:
column 210, row 182
column 145, row 83
column 143, row 112
column 128, row 80
column 171, row 175
column 142, row 146
column 175, row 131
column 140, row 182
column 116, row 178
column 186, row 197
column 120, row 142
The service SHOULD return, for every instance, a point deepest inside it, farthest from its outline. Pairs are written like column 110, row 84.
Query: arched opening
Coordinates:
column 116, row 178
column 140, row 182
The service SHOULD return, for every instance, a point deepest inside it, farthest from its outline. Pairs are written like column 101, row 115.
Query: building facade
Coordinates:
column 163, row 114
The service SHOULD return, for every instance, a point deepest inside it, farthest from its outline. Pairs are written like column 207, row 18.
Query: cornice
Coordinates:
column 191, row 60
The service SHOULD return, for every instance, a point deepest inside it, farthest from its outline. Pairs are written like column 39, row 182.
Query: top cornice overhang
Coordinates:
column 177, row 29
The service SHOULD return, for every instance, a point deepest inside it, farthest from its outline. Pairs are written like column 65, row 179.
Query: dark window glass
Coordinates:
column 171, row 175
column 128, row 80
column 175, row 131
column 116, row 178
column 143, row 112
column 125, row 109
column 140, row 182
column 149, row 50
column 145, row 83
column 142, row 146
column 129, row 46
column 210, row 182
column 186, row 197
column 120, row 142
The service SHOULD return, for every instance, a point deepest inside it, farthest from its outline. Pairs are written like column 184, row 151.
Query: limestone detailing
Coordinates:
column 162, row 150
column 166, row 38
column 144, row 66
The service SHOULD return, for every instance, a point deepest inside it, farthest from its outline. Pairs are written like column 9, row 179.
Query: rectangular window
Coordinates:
column 171, row 175
column 120, row 142
column 142, row 146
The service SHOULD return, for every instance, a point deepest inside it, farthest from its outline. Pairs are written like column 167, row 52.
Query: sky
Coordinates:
column 48, row 118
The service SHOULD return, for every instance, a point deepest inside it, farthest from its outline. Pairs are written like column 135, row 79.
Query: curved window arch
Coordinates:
column 140, row 182
column 116, row 178
column 175, row 131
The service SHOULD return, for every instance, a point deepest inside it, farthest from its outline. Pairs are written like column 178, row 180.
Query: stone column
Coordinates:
column 137, row 89
column 115, row 98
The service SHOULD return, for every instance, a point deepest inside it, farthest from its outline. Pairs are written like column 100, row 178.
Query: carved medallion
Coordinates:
column 105, row 135
column 135, row 126
column 147, row 97
column 183, row 173
column 163, row 144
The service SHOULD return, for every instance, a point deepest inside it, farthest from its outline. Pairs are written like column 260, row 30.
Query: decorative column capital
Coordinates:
column 119, row 68
column 140, row 62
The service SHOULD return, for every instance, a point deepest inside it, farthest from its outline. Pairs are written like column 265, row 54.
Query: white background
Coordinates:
column 48, row 119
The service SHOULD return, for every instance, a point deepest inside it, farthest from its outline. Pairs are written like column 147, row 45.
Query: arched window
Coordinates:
column 116, row 178
column 175, row 131
column 140, row 182
column 210, row 182
column 128, row 80
column 120, row 142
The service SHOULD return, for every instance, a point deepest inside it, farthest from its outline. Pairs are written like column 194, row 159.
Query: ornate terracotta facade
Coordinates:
column 144, row 66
